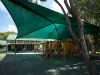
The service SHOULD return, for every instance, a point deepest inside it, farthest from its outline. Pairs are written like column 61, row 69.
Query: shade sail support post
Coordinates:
column 15, row 48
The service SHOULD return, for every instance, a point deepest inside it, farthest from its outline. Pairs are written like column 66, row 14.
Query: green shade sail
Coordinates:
column 59, row 32
column 35, row 21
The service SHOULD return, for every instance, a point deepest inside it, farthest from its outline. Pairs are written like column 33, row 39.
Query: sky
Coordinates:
column 6, row 22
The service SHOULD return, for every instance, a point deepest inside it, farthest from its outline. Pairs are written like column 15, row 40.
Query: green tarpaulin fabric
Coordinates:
column 57, row 31
column 35, row 21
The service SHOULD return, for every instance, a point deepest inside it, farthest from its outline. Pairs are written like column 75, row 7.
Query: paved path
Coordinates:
column 24, row 64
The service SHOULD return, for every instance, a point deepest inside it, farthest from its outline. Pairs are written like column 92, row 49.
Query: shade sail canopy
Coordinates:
column 35, row 21
column 58, row 31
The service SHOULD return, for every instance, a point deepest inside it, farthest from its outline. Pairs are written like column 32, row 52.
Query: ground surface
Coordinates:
column 2, row 55
column 33, row 64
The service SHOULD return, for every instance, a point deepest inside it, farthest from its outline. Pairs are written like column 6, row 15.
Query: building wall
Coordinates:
column 21, row 45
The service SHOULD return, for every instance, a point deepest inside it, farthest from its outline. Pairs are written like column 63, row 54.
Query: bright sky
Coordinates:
column 6, row 22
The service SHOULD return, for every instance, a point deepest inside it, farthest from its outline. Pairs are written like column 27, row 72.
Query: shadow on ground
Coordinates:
column 35, row 65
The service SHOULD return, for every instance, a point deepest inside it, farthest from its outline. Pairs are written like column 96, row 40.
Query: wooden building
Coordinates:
column 24, row 44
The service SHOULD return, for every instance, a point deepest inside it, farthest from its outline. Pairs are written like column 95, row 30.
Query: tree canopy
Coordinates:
column 4, row 35
column 89, row 10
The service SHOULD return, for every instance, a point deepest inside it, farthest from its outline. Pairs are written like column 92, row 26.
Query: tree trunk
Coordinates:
column 90, row 66
column 80, row 40
column 76, row 15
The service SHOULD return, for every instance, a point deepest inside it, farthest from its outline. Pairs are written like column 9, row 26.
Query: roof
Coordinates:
column 12, row 37
column 2, row 42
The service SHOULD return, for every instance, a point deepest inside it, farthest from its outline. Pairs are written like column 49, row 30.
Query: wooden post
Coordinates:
column 64, row 43
column 15, row 47
column 51, row 50
column 6, row 47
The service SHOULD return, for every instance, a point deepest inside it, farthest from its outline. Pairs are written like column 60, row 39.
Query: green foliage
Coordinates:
column 4, row 35
column 89, row 10
column 2, row 56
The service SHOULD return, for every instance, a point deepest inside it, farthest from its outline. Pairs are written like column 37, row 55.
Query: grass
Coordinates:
column 98, row 52
column 2, row 55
